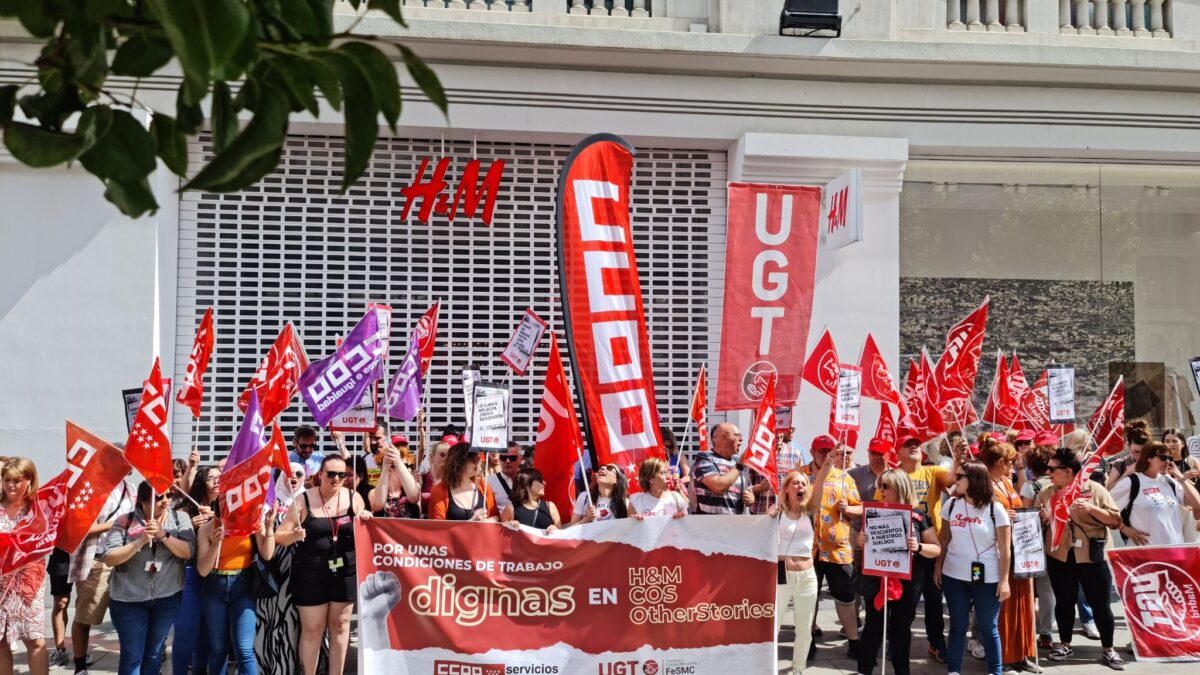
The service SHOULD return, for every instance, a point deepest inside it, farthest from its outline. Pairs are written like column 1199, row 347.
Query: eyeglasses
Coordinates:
column 335, row 475
column 308, row 446
column 508, row 458
column 163, row 497
column 1056, row 468
column 213, row 479
column 298, row 475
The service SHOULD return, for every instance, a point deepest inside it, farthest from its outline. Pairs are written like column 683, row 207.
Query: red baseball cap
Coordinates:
column 905, row 439
column 880, row 446
column 974, row 449
column 996, row 436
column 399, row 439
column 824, row 442
column 1046, row 438
column 450, row 438
column 1026, row 436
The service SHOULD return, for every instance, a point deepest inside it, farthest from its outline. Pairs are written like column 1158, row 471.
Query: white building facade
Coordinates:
column 1047, row 153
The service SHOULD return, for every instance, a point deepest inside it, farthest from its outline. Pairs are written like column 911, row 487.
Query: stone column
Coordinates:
column 598, row 8
column 639, row 9
column 1101, row 20
column 973, row 22
column 992, row 15
column 954, row 15
column 1138, row 12
column 1157, row 24
column 1065, row 24
column 1012, row 16
column 1083, row 22
column 1120, row 21
column 577, row 7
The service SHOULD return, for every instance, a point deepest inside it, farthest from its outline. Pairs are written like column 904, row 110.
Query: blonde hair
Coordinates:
column 1076, row 441
column 650, row 468
column 16, row 468
column 785, row 497
column 900, row 482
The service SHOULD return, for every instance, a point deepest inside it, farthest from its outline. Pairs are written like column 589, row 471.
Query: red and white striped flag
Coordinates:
column 699, row 409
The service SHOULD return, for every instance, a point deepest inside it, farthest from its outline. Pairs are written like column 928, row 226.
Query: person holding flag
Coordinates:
column 895, row 488
column 22, row 610
column 797, row 580
column 835, row 500
column 1078, row 560
column 722, row 486
column 1151, row 498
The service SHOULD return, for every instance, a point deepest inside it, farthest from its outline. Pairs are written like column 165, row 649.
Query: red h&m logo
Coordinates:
column 839, row 203
column 462, row 668
column 469, row 193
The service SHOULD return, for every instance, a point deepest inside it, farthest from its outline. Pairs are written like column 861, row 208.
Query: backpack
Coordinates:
column 1135, row 487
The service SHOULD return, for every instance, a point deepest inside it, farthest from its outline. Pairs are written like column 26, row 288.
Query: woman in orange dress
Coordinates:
column 1017, row 642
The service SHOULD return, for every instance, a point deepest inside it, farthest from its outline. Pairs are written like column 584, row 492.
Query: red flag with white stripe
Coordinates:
column 191, row 393
column 148, row 448
column 699, row 410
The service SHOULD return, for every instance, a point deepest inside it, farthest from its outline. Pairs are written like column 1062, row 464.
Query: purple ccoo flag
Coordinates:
column 249, row 439
column 404, row 391
column 338, row 382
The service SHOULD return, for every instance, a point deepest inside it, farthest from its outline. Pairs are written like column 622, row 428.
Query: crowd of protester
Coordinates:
column 281, row 600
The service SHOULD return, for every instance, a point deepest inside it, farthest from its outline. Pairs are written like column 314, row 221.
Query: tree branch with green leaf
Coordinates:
column 281, row 55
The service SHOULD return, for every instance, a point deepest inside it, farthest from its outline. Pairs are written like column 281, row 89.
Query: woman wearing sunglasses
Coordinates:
column 973, row 567
column 147, row 555
column 189, row 646
column 1137, row 435
column 1150, row 499
column 396, row 494
column 462, row 495
column 277, row 633
column 1078, row 560
column 529, row 506
column 323, row 581
column 605, row 499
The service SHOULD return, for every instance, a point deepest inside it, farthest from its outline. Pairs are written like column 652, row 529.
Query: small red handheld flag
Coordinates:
column 191, row 394
column 94, row 468
column 760, row 452
column 822, row 366
column 559, row 441
column 699, row 410
column 148, row 449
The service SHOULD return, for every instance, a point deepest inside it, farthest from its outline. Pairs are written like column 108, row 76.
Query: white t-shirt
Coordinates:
column 795, row 536
column 603, row 507
column 972, row 539
column 502, row 498
column 1155, row 509
column 668, row 504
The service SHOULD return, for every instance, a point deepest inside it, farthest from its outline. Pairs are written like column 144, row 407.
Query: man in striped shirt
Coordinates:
column 722, row 485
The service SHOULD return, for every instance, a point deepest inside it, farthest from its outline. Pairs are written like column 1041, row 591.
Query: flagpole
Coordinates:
column 587, row 489
column 185, row 496
column 883, row 656
column 687, row 431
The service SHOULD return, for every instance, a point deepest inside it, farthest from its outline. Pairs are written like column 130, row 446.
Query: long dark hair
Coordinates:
column 457, row 460
column 523, row 482
column 620, row 492
column 199, row 490
column 979, row 483
column 1149, row 451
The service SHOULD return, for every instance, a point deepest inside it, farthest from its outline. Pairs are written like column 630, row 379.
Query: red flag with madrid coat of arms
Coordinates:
column 27, row 545
column 277, row 376
column 94, row 468
column 148, row 449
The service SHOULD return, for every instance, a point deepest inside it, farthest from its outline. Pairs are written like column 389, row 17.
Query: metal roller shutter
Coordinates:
column 292, row 248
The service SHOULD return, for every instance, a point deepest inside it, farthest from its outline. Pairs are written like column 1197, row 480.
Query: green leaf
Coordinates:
column 294, row 76
column 263, row 136
column 209, row 38
column 380, row 75
column 389, row 7
column 98, row 10
column 298, row 15
column 323, row 11
column 14, row 7
column 40, row 148
column 142, row 54
column 87, row 54
column 36, row 19
column 94, row 123
column 253, row 173
column 361, row 111
column 224, row 117
column 133, row 198
column 327, row 82
column 125, row 154
column 8, row 102
column 188, row 115
column 425, row 78
column 170, row 143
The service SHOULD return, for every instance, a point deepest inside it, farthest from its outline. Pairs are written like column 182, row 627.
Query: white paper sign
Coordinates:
column 524, row 342
column 841, row 210
column 489, row 418
column 849, row 396
column 361, row 417
column 1195, row 363
column 888, row 528
column 1029, row 555
column 470, row 377
column 783, row 419
column 1060, row 381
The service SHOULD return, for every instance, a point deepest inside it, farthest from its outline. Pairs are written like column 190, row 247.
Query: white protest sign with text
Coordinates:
column 1061, row 392
column 849, row 397
column 524, row 342
column 1029, row 551
column 888, row 528
column 361, row 417
column 489, row 418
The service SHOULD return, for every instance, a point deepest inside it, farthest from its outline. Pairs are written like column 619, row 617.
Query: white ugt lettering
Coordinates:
column 767, row 314
column 760, row 220
column 778, row 280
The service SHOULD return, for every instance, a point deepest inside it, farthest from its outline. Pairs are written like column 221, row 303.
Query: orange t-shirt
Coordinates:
column 237, row 553
column 439, row 500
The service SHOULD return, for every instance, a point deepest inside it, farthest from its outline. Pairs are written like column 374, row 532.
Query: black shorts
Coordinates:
column 313, row 583
column 57, row 567
column 840, row 579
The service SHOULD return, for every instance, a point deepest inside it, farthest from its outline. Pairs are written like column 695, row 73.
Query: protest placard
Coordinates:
column 1061, row 393
column 1029, row 554
column 524, row 342
column 849, row 397
column 489, row 418
column 888, row 528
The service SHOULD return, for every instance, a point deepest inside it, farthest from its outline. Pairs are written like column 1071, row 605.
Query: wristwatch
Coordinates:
column 739, row 466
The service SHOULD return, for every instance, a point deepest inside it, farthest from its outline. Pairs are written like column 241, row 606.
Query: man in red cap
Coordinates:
column 834, row 502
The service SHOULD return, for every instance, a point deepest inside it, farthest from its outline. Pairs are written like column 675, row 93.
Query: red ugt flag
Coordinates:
column 1159, row 590
column 1107, row 425
column 277, row 377
column 699, row 409
column 1001, row 409
column 1035, row 407
column 94, row 468
column 427, row 327
column 559, row 441
column 822, row 366
column 760, row 452
column 877, row 382
column 191, row 394
column 1017, row 384
column 956, row 369
column 148, row 449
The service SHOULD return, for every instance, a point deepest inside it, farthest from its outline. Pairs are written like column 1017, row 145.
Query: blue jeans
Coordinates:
column 1085, row 610
column 228, row 608
column 190, row 647
column 960, row 596
column 142, row 628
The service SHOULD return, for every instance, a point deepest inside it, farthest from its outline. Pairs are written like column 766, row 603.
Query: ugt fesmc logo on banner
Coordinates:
column 602, row 303
column 770, row 263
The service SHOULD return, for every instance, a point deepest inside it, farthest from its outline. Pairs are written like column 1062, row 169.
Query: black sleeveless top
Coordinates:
column 456, row 512
column 533, row 517
column 318, row 531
